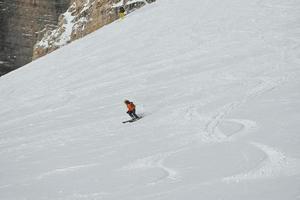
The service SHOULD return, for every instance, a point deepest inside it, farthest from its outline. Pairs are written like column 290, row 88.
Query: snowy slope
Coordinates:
column 218, row 84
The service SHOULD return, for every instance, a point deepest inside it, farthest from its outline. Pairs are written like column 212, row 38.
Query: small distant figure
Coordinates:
column 131, row 109
column 122, row 12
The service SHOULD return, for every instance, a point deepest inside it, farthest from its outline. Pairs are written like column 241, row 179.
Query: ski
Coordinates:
column 131, row 120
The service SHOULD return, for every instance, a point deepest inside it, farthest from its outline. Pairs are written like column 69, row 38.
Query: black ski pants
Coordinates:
column 132, row 114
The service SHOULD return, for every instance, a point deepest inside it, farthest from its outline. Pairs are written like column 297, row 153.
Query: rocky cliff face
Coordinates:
column 20, row 23
column 82, row 18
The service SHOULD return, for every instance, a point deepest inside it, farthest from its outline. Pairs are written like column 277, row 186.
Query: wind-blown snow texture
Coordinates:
column 218, row 84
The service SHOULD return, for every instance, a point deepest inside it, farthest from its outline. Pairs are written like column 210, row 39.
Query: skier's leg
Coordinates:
column 135, row 115
column 131, row 114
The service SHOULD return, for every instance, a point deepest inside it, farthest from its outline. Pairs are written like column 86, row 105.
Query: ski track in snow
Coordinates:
column 274, row 164
column 5, row 186
column 155, row 161
column 85, row 196
column 66, row 170
column 212, row 132
column 265, row 84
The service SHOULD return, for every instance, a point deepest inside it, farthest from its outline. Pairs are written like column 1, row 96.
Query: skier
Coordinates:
column 122, row 12
column 131, row 109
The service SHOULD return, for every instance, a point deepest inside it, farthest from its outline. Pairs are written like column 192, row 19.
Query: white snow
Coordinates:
column 275, row 163
column 65, row 37
column 121, row 3
column 216, row 80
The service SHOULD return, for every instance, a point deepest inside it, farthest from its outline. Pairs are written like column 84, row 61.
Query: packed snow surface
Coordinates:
column 217, row 82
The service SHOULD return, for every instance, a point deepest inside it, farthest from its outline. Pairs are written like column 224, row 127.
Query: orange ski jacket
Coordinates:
column 130, row 106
